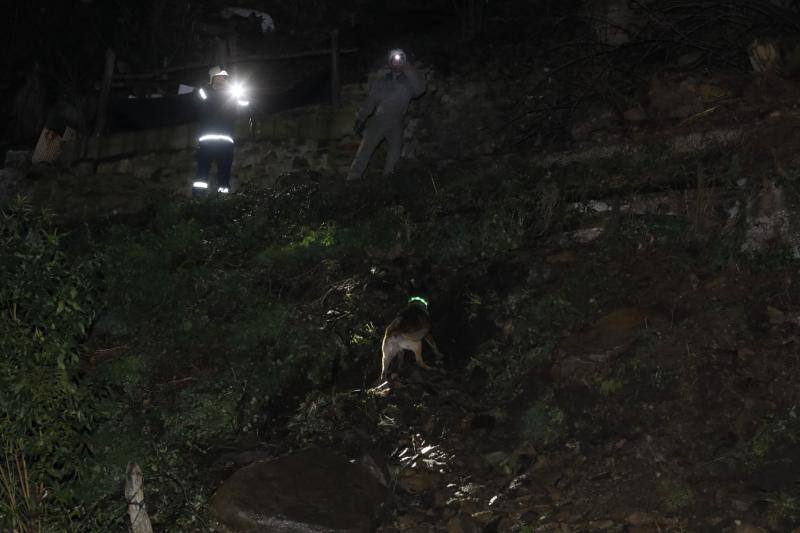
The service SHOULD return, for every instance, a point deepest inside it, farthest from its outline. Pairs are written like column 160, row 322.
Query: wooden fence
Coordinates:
column 112, row 80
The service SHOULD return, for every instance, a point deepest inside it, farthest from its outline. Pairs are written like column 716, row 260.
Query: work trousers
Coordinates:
column 222, row 153
column 378, row 129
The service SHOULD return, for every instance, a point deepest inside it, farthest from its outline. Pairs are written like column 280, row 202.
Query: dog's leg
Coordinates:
column 432, row 344
column 418, row 355
column 389, row 351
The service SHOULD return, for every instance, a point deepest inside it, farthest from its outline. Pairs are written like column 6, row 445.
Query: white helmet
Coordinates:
column 216, row 71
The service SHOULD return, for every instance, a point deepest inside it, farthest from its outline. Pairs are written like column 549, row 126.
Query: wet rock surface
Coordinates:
column 311, row 491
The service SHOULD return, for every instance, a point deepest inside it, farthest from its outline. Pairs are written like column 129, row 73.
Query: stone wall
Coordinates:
column 121, row 172
column 317, row 137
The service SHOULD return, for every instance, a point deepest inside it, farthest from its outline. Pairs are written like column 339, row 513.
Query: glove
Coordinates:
column 358, row 127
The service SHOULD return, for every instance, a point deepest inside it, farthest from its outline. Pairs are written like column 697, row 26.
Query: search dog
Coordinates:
column 406, row 332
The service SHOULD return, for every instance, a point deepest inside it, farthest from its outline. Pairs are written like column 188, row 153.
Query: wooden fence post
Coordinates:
column 105, row 92
column 221, row 52
column 134, row 495
column 335, row 68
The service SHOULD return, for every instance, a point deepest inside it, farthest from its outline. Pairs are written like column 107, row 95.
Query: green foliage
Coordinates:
column 23, row 502
column 675, row 494
column 610, row 386
column 47, row 304
column 544, row 423
column 784, row 507
column 202, row 414
column 315, row 420
column 773, row 434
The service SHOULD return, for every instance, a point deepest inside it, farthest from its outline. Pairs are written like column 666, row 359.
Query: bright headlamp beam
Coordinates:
column 238, row 91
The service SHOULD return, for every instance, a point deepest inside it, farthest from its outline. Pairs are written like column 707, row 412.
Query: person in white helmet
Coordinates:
column 382, row 115
column 221, row 103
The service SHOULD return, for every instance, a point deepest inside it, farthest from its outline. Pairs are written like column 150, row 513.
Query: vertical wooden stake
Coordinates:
column 134, row 495
column 335, row 68
column 105, row 92
column 221, row 53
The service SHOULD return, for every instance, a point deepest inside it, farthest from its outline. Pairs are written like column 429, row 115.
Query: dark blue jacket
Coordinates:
column 219, row 110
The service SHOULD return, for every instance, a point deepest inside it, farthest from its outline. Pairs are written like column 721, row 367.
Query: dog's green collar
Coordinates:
column 419, row 299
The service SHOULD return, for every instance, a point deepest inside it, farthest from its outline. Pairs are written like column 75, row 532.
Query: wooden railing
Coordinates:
column 112, row 80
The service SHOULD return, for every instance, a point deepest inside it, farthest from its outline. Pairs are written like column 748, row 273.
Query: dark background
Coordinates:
column 53, row 65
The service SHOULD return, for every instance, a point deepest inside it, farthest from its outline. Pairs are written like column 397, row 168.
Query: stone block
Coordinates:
column 286, row 126
column 18, row 159
column 104, row 167
column 264, row 128
column 83, row 168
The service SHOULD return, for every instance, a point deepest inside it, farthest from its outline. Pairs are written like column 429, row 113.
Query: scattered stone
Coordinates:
column 765, row 55
column 495, row 458
column 587, row 235
column 769, row 221
column 596, row 119
column 562, row 258
column 582, row 354
column 689, row 58
column 83, row 169
column 635, row 115
column 742, row 527
column 639, row 518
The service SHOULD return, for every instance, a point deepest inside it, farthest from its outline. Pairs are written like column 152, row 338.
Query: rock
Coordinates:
column 776, row 316
column 597, row 118
column 768, row 221
column 495, row 458
column 463, row 523
column 241, row 458
column 749, row 528
column 635, row 115
column 83, row 169
column 587, row 235
column 314, row 490
column 639, row 518
column 9, row 183
column 18, row 159
column 110, row 324
column 765, row 55
column 566, row 257
column 690, row 58
column 682, row 98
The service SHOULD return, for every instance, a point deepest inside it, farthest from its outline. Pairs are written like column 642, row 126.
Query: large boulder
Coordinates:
column 311, row 491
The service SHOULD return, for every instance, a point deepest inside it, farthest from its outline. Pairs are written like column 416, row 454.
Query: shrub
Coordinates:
column 46, row 409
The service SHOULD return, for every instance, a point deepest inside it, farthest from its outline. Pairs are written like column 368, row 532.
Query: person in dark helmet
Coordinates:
column 382, row 116
column 220, row 104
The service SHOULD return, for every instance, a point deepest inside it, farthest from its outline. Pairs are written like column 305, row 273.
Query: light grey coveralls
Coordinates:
column 385, row 108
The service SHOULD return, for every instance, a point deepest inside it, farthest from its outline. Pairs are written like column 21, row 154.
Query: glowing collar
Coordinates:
column 419, row 299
